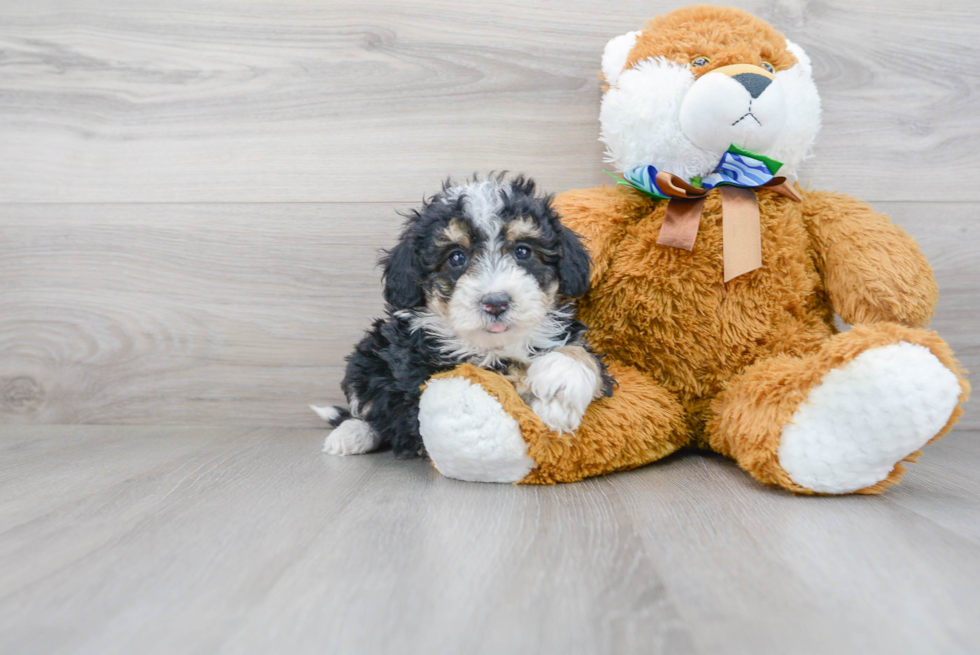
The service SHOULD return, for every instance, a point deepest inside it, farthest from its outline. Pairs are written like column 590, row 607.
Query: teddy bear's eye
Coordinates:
column 769, row 67
column 700, row 61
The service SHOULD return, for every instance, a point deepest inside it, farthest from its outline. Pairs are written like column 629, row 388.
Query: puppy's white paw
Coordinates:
column 352, row 437
column 557, row 416
column 563, row 388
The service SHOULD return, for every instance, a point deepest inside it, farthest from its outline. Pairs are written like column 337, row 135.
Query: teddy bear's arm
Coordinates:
column 872, row 270
column 598, row 215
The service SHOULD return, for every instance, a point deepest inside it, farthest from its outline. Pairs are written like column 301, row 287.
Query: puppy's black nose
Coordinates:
column 495, row 303
column 754, row 83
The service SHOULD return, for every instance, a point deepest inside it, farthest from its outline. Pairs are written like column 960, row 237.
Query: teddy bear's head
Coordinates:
column 700, row 79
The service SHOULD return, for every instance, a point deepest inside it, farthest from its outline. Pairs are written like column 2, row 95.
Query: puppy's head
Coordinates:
column 489, row 258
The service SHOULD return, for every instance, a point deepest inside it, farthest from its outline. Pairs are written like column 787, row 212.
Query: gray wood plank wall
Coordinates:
column 192, row 193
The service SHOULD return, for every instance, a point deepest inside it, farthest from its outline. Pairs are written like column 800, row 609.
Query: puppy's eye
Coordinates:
column 458, row 259
column 769, row 67
column 698, row 62
column 522, row 252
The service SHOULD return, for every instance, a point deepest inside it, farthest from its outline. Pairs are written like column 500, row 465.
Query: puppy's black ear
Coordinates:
column 402, row 275
column 573, row 269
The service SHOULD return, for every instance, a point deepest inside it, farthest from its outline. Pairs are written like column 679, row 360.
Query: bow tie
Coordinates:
column 738, row 173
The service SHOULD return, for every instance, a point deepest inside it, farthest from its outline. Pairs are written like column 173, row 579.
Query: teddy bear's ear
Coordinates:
column 801, row 56
column 615, row 55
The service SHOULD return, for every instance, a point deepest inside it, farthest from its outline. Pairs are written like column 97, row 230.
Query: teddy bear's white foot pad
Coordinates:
column 866, row 416
column 469, row 436
column 352, row 437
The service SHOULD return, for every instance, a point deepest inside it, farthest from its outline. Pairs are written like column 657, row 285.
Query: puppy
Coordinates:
column 484, row 273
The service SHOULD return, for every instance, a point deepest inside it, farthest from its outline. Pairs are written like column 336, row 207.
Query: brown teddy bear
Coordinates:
column 714, row 287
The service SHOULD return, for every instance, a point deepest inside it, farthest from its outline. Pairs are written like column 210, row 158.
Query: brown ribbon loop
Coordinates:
column 741, row 226
column 676, row 187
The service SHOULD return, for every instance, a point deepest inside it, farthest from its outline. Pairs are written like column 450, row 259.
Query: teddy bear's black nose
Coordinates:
column 754, row 83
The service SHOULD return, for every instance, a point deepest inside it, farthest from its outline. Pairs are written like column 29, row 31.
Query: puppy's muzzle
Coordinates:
column 495, row 304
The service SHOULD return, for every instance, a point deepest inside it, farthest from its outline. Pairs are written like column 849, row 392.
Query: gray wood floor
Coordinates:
column 235, row 540
column 192, row 195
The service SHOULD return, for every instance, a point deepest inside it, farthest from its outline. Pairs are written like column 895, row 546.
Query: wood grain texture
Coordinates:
column 214, row 313
column 240, row 540
column 243, row 314
column 288, row 100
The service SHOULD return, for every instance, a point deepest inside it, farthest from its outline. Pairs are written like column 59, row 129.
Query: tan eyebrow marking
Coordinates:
column 456, row 232
column 522, row 228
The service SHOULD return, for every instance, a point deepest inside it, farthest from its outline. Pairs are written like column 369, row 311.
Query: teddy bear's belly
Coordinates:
column 668, row 313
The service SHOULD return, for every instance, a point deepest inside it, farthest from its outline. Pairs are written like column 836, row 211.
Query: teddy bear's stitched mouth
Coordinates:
column 746, row 115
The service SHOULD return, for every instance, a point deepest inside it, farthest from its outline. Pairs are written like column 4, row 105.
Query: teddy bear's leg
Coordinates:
column 476, row 427
column 842, row 419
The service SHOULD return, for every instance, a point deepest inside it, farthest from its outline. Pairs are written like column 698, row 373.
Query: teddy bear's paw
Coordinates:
column 866, row 416
column 563, row 387
column 468, row 434
column 352, row 437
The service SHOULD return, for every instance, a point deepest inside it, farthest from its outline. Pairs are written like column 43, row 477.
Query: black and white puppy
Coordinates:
column 484, row 273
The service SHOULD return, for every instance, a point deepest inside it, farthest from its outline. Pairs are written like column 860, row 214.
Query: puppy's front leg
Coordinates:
column 563, row 383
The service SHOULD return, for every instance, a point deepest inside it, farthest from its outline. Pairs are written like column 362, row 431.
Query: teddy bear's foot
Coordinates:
column 468, row 434
column 843, row 418
column 865, row 417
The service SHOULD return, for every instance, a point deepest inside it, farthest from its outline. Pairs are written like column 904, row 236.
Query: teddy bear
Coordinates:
column 715, row 282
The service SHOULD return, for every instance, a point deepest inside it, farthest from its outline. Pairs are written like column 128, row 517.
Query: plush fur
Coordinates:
column 484, row 273
column 753, row 368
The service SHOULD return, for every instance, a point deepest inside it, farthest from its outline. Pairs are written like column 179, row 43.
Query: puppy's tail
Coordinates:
column 331, row 414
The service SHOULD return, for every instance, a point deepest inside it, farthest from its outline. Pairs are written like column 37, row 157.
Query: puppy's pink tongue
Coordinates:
column 497, row 327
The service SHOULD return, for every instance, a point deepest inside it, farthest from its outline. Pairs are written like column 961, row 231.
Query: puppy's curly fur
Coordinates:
column 484, row 273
